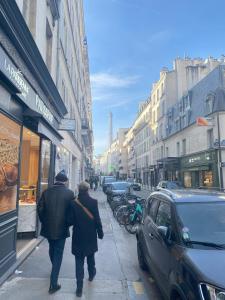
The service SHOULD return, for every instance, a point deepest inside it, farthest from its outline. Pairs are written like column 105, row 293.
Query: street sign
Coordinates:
column 67, row 125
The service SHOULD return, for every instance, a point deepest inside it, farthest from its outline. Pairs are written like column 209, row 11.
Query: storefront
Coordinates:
column 30, row 113
column 169, row 168
column 200, row 170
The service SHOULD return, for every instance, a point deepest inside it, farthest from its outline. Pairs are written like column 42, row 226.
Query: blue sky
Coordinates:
column 129, row 42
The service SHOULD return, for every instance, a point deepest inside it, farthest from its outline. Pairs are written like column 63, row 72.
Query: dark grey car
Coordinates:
column 118, row 188
column 182, row 243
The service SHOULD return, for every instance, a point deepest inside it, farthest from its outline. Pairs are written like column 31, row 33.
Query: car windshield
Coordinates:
column 202, row 222
column 120, row 186
column 110, row 179
column 173, row 185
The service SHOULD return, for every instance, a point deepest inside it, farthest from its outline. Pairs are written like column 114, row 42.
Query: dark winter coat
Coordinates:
column 85, row 230
column 53, row 210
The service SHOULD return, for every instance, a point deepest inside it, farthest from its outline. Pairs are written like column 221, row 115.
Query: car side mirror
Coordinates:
column 164, row 232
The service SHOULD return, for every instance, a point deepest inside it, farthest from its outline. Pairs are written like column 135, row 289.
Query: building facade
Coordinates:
column 57, row 28
column 155, row 149
column 38, row 135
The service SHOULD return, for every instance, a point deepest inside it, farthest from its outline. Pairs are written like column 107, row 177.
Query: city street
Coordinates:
column 118, row 274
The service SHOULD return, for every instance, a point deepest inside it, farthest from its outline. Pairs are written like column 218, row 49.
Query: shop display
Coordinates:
column 9, row 155
column 45, row 164
column 62, row 160
column 27, row 195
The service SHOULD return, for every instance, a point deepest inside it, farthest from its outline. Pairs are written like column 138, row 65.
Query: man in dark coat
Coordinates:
column 86, row 227
column 53, row 210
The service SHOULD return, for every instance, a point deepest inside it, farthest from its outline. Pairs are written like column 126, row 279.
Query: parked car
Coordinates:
column 136, row 186
column 118, row 188
column 182, row 243
column 170, row 185
column 106, row 181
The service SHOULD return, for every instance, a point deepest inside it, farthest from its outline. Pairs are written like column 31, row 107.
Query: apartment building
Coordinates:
column 58, row 30
column 150, row 129
column 45, row 113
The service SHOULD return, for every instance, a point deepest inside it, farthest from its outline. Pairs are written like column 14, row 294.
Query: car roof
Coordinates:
column 120, row 182
column 191, row 196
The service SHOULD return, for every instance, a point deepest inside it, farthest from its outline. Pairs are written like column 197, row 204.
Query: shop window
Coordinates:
column 9, row 156
column 45, row 163
column 29, row 173
column 187, row 179
column 62, row 160
column 207, row 178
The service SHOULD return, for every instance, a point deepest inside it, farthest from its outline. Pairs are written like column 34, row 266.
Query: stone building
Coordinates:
column 58, row 30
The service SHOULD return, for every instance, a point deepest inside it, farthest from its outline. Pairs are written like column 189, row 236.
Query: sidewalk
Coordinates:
column 117, row 275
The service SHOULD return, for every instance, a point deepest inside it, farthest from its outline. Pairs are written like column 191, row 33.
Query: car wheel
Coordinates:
column 141, row 258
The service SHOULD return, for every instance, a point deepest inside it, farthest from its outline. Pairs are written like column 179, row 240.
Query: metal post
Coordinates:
column 220, row 152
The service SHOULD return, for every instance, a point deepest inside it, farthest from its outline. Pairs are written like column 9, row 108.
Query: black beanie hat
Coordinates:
column 61, row 176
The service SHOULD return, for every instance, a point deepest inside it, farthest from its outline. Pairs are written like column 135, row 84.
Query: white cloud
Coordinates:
column 107, row 80
column 108, row 88
column 159, row 36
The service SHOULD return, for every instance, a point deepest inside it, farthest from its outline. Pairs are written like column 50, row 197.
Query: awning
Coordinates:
column 53, row 136
column 43, row 127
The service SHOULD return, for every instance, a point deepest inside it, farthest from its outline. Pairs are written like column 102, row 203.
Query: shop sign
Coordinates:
column 16, row 76
column 67, row 125
column 221, row 144
column 42, row 108
column 194, row 159
column 27, row 93
column 197, row 160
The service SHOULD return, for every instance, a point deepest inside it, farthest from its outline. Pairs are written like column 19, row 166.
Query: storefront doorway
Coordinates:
column 28, row 191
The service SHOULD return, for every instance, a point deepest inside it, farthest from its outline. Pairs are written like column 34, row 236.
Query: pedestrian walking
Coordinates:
column 95, row 183
column 53, row 210
column 87, row 227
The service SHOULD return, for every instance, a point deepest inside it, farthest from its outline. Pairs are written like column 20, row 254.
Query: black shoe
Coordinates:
column 52, row 290
column 91, row 277
column 79, row 292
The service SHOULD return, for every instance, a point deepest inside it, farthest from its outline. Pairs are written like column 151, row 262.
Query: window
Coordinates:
column 163, row 108
column 152, row 208
column 184, row 146
column 209, row 103
column 210, row 138
column 178, row 148
column 161, row 151
column 167, row 151
column 29, row 14
column 48, row 46
column 163, row 217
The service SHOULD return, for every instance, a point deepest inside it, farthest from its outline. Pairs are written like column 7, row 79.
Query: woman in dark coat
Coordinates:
column 87, row 227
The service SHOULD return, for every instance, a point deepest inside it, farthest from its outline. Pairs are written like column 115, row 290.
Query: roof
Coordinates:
column 192, row 196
